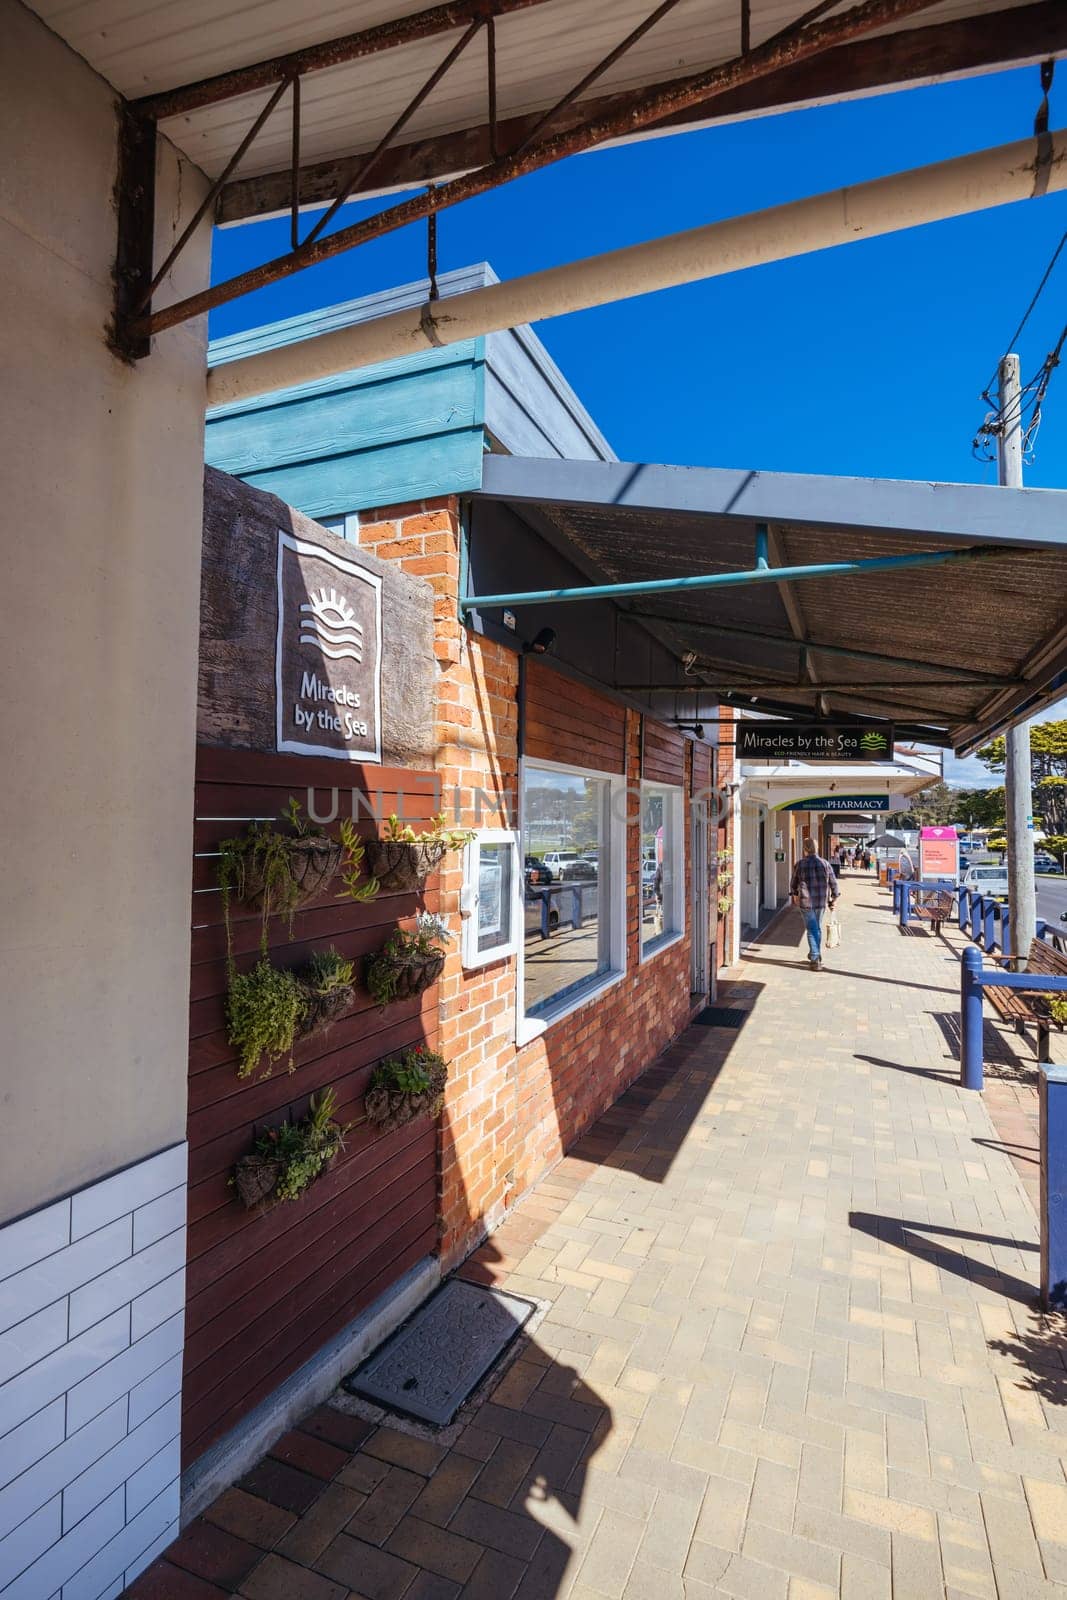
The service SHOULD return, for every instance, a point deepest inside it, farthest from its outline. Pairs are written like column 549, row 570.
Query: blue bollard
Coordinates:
column 894, row 889
column 989, row 924
column 1053, row 1098
column 905, row 904
column 963, row 908
column 971, row 1019
column 976, row 918
column 1005, row 931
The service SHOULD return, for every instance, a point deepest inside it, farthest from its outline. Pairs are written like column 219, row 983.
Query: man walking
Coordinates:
column 813, row 888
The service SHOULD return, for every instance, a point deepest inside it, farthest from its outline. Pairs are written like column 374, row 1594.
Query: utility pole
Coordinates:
column 1018, row 790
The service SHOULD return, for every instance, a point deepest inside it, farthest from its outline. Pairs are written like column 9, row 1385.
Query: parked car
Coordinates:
column 1045, row 861
column 989, row 878
column 556, row 860
column 537, row 871
column 578, row 871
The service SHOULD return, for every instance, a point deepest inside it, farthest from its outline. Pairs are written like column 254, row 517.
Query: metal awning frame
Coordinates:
column 546, row 138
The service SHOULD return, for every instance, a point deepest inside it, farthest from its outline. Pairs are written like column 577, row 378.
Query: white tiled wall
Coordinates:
column 92, row 1293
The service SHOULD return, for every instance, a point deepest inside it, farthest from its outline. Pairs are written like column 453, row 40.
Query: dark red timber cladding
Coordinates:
column 567, row 722
column 264, row 1292
column 664, row 754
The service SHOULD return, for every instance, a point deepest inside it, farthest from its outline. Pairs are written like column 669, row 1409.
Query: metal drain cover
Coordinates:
column 430, row 1366
column 719, row 1017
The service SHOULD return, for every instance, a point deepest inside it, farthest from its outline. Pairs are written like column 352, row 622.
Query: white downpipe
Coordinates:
column 863, row 211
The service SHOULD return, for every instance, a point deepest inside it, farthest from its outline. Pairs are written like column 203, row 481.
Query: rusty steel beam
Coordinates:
column 1002, row 38
column 698, row 88
column 331, row 53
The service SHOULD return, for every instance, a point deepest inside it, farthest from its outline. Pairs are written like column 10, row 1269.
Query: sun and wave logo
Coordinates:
column 329, row 622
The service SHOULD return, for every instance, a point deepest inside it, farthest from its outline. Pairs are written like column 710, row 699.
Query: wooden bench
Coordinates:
column 1019, row 1008
column 932, row 906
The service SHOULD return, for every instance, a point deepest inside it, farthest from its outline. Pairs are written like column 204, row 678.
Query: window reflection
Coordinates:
column 565, row 834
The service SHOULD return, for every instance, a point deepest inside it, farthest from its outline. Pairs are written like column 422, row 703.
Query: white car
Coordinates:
column 988, row 878
column 557, row 860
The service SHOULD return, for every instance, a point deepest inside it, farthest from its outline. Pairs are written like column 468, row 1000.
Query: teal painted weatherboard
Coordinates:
column 403, row 430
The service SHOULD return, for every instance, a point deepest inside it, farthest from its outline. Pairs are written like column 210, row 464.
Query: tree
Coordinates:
column 933, row 807
column 979, row 808
column 1048, row 751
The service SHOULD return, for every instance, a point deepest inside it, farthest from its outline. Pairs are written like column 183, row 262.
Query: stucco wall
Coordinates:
column 101, row 467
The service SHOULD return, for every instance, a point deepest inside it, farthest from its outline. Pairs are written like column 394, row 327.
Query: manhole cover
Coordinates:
column 719, row 1017
column 430, row 1366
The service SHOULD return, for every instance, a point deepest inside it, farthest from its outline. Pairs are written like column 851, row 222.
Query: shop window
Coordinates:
column 490, row 902
column 573, row 841
column 662, row 866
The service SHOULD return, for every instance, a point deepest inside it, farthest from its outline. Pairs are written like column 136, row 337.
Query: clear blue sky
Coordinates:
column 868, row 359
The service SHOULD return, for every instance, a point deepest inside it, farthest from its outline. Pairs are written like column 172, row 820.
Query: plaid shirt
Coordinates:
column 813, row 880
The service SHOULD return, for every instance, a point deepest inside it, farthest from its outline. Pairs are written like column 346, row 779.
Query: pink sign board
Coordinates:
column 939, row 853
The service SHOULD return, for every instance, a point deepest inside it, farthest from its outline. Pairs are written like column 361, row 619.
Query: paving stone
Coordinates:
column 282, row 1485
column 278, row 1579
column 213, row 1554
column 435, row 1549
column 308, row 1537
column 250, row 1518
column 162, row 1581
column 371, row 1573
column 405, row 1450
column 385, row 1505
column 310, row 1454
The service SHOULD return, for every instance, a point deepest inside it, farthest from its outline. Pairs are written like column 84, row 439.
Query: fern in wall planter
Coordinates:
column 286, row 1160
column 406, row 1086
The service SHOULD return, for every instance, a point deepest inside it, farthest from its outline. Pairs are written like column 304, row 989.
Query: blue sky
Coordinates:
column 867, row 359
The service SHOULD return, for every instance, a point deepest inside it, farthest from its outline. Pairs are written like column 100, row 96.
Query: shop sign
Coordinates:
column 815, row 741
column 939, row 853
column 328, row 653
column 838, row 802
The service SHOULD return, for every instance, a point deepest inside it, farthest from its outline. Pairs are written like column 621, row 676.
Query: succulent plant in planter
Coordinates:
column 406, row 1086
column 264, row 1011
column 328, row 986
column 275, row 871
column 408, row 962
column 401, row 860
column 287, row 1160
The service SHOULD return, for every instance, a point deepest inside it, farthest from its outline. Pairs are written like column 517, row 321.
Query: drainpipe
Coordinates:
column 885, row 205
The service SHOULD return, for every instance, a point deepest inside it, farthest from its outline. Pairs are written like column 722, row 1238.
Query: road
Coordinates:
column 1051, row 898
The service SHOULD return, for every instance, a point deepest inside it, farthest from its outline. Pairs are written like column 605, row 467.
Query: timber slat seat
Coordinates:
column 1019, row 1008
column 932, row 906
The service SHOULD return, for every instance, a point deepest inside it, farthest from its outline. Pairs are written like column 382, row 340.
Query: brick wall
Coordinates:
column 510, row 1112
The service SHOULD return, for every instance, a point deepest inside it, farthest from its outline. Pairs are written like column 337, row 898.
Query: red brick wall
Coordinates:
column 511, row 1113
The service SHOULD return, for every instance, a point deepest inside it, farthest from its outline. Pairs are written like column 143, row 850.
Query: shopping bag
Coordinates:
column 833, row 931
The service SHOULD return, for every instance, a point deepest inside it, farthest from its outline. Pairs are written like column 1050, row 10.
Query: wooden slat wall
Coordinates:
column 702, row 769
column 567, row 722
column 264, row 1292
column 664, row 754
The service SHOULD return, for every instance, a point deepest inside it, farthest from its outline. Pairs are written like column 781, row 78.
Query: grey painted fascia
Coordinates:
column 943, row 511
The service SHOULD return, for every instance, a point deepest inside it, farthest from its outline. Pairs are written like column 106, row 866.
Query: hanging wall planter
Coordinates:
column 402, row 860
column 268, row 1009
column 287, row 1160
column 405, row 1087
column 328, row 990
column 408, row 963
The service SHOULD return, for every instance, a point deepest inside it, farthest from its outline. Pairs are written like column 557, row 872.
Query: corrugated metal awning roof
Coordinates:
column 962, row 649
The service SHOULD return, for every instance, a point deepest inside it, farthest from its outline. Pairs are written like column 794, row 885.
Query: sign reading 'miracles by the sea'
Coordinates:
column 815, row 741
column 328, row 655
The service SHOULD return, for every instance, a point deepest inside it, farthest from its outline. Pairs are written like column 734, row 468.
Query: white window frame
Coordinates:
column 529, row 1028
column 468, row 904
column 676, row 834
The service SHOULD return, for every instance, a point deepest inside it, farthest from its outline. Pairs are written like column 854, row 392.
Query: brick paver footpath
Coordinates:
column 790, row 1349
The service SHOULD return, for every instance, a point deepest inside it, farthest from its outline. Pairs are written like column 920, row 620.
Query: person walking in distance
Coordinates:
column 813, row 888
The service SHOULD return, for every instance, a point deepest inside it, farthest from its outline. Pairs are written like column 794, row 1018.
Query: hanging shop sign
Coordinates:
column 815, row 741
column 939, row 853
column 328, row 654
column 838, row 802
